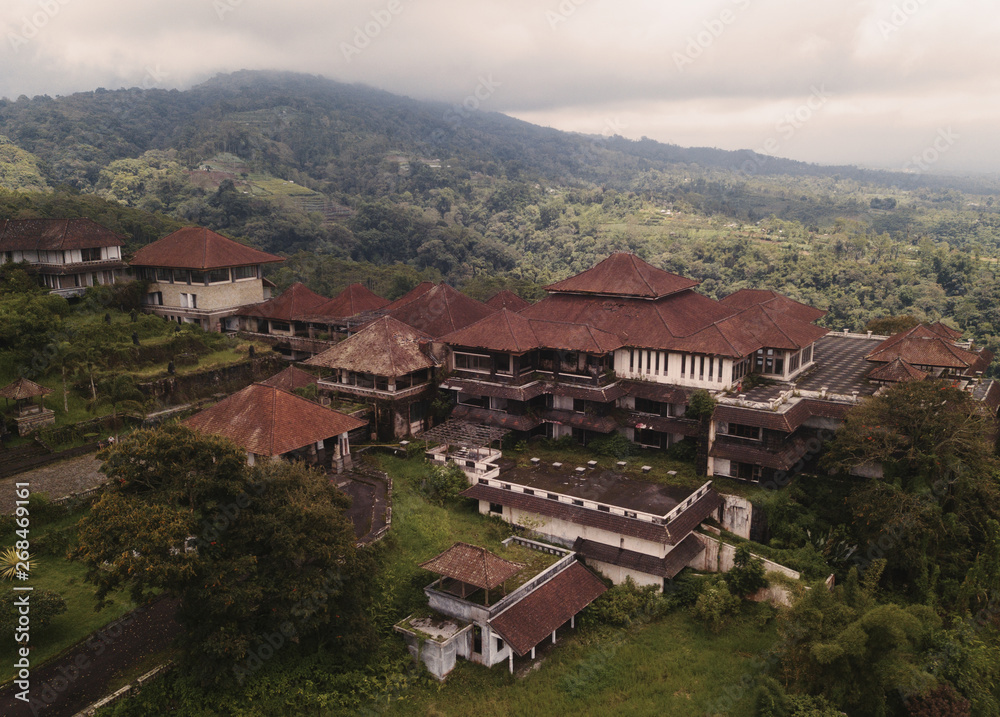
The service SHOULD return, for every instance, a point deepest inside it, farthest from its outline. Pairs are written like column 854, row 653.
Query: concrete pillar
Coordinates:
column 553, row 637
column 510, row 661
column 532, row 653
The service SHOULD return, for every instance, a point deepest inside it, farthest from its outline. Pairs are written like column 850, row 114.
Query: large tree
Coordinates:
column 273, row 555
column 929, row 512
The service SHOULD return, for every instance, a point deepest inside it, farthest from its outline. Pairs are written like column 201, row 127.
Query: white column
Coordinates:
column 510, row 661
column 553, row 637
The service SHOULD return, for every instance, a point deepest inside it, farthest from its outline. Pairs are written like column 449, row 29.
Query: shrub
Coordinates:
column 45, row 605
column 682, row 451
column 623, row 604
column 444, row 483
column 701, row 405
column 747, row 574
column 613, row 446
column 715, row 604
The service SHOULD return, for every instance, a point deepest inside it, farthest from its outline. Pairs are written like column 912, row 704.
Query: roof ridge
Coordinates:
column 632, row 258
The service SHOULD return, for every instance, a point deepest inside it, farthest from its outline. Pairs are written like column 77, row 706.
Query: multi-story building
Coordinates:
column 199, row 277
column 69, row 255
column 622, row 346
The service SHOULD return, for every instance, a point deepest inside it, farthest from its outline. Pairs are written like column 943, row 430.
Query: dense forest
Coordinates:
column 351, row 182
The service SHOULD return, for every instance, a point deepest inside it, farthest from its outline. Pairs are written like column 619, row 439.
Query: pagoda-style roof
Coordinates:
column 624, row 274
column 199, row 248
column 385, row 347
column 751, row 329
column 55, row 235
column 473, row 565
column 438, row 310
column 22, row 389
column 897, row 371
column 290, row 379
column 746, row 298
column 507, row 300
column 933, row 345
column 354, row 300
column 509, row 331
column 268, row 421
column 293, row 301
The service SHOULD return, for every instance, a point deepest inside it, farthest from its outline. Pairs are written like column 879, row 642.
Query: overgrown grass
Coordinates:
column 66, row 577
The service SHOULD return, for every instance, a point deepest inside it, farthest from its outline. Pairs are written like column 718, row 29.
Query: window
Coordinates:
column 472, row 362
column 653, row 408
column 418, row 411
column 770, row 361
column 182, row 276
column 579, row 405
column 648, row 362
column 711, row 368
column 745, row 471
column 217, row 276
column 651, row 438
column 740, row 369
column 155, row 298
column 793, row 362
column 657, row 363
column 496, row 508
column 244, row 272
column 90, row 254
column 197, row 277
column 684, row 359
column 189, row 301
column 164, row 276
column 744, row 431
column 701, row 369
column 631, row 360
column 807, row 354
column 502, row 362
column 499, row 644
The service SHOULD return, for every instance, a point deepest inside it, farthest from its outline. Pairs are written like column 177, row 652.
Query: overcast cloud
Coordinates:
column 867, row 82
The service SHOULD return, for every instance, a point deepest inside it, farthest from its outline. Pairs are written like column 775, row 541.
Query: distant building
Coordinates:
column 197, row 276
column 69, row 255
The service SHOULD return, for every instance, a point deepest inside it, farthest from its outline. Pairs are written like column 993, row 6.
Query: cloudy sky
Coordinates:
column 895, row 83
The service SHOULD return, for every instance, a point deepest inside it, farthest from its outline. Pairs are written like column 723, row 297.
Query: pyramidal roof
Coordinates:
column 385, row 347
column 438, row 310
column 746, row 298
column 624, row 274
column 269, row 421
column 354, row 300
column 23, row 388
column 295, row 300
column 199, row 248
column 507, row 300
column 509, row 331
column 897, row 371
column 473, row 565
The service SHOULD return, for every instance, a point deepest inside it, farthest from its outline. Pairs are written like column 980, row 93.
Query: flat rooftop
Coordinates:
column 840, row 366
column 598, row 485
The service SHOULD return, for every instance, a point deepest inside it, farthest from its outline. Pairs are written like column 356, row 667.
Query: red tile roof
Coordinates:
column 784, row 421
column 417, row 291
column 353, row 300
column 55, row 235
column 745, row 298
column 23, row 388
column 926, row 346
column 268, row 421
column 199, row 248
column 473, row 565
column 385, row 347
column 293, row 301
column 624, row 275
column 437, row 310
column 509, row 331
column 896, row 371
column 497, row 419
column 534, row 618
column 290, row 379
column 507, row 300
column 783, row 458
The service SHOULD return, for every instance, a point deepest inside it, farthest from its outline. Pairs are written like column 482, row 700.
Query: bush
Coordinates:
column 715, row 604
column 614, row 446
column 55, row 542
column 444, row 483
column 45, row 605
column 623, row 604
column 682, row 451
column 701, row 405
column 747, row 574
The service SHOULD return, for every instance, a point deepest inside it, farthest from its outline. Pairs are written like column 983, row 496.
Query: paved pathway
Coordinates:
column 73, row 475
column 82, row 676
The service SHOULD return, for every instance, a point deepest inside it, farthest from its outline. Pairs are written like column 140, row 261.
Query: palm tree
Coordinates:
column 119, row 392
column 67, row 353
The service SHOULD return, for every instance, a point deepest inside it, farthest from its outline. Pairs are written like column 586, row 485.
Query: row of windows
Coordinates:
column 193, row 276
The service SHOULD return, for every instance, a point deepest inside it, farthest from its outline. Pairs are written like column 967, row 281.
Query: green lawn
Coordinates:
column 672, row 666
column 80, row 619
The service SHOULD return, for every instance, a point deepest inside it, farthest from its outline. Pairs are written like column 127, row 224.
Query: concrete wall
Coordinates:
column 618, row 574
column 212, row 297
column 718, row 557
column 736, row 513
column 565, row 533
column 670, row 369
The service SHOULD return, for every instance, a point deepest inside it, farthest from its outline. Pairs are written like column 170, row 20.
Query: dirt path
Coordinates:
column 81, row 677
column 57, row 479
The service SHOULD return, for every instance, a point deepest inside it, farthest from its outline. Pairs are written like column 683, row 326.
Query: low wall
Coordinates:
column 228, row 379
column 719, row 557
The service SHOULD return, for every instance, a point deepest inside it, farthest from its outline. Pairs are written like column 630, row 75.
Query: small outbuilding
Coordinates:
column 30, row 415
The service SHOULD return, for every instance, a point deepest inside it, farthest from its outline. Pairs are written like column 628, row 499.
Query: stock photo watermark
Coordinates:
column 712, row 29
column 366, row 33
column 32, row 25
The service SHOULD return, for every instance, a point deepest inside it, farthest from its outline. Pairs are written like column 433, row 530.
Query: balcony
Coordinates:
column 374, row 391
